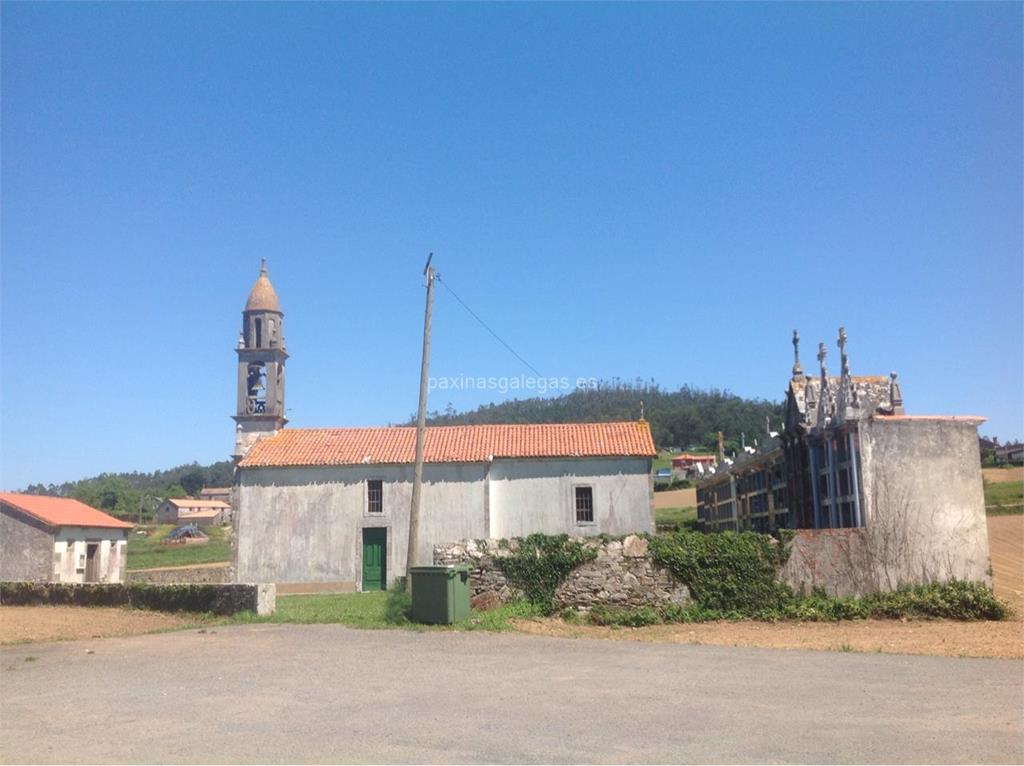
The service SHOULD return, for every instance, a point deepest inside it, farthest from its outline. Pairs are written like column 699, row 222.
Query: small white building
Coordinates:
column 57, row 539
column 188, row 510
column 331, row 505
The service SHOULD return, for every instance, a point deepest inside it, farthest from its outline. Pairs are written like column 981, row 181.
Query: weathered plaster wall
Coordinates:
column 925, row 500
column 70, row 549
column 305, row 524
column 624, row 575
column 26, row 547
column 924, row 512
column 538, row 496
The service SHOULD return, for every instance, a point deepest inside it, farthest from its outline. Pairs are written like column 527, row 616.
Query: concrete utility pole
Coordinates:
column 421, row 423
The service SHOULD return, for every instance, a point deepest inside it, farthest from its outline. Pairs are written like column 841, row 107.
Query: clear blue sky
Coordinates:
column 661, row 190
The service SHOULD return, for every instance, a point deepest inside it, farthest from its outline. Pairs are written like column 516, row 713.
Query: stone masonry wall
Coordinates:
column 624, row 575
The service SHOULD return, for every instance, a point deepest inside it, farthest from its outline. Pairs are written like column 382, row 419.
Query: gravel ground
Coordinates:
column 325, row 693
column 19, row 624
column 936, row 637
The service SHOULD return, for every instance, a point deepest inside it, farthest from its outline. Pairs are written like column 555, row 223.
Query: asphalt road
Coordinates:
column 324, row 693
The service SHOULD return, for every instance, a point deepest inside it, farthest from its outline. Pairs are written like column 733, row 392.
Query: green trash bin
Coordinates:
column 440, row 594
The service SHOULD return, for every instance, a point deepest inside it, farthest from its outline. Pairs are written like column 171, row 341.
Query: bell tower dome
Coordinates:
column 261, row 357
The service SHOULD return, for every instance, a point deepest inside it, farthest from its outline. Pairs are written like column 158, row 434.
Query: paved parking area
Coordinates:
column 325, row 693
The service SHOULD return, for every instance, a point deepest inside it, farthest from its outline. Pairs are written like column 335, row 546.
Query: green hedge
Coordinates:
column 215, row 598
column 726, row 572
column 956, row 600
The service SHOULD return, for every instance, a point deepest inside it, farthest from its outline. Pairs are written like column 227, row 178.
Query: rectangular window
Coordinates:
column 584, row 505
column 375, row 496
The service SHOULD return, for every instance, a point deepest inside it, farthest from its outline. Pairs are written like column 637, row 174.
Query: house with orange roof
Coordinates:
column 58, row 539
column 328, row 508
column 190, row 510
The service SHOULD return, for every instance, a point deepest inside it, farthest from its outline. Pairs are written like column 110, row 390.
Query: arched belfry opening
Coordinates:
column 261, row 359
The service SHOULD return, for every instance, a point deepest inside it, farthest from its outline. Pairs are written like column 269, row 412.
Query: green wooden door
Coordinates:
column 375, row 549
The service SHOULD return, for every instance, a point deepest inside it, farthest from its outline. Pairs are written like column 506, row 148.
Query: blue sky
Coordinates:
column 661, row 190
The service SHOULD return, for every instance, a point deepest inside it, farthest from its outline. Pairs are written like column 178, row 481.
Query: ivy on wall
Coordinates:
column 726, row 572
column 541, row 563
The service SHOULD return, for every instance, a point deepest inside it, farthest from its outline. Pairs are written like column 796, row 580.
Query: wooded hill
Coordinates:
column 686, row 418
column 125, row 494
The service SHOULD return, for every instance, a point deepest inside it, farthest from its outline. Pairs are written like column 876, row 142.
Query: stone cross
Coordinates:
column 797, row 369
column 842, row 350
column 821, row 356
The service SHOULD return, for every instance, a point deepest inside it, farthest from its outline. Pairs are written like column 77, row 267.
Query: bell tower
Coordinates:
column 261, row 357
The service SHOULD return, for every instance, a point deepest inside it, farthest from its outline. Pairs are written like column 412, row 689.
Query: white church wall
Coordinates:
column 305, row 524
column 529, row 496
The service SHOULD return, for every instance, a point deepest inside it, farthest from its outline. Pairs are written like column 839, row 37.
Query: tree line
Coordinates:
column 685, row 418
column 133, row 495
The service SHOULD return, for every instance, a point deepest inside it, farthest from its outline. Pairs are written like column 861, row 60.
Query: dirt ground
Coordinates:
column 19, row 624
column 1014, row 473
column 676, row 498
column 936, row 637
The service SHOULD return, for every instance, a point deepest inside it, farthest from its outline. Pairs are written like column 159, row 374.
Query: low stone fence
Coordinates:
column 218, row 599
column 199, row 575
column 624, row 575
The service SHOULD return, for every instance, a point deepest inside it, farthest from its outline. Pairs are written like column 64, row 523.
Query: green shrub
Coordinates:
column 540, row 564
column 726, row 572
column 398, row 607
column 955, row 600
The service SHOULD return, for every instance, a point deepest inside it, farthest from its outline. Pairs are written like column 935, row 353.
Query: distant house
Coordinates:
column 57, row 539
column 216, row 493
column 687, row 462
column 188, row 510
column 1010, row 453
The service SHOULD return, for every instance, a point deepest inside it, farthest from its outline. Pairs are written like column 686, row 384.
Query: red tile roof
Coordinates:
column 449, row 444
column 61, row 511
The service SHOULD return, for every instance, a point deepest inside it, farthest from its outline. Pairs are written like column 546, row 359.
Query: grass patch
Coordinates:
column 664, row 460
column 1004, row 497
column 379, row 611
column 674, row 519
column 150, row 551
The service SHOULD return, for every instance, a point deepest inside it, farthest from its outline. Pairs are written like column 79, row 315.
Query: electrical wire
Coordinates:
column 486, row 326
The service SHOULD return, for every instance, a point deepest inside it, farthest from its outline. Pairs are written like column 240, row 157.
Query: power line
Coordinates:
column 487, row 327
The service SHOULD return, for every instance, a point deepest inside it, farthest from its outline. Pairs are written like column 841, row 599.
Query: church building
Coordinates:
column 328, row 508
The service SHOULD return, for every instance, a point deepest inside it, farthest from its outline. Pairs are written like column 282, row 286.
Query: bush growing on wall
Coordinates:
column 726, row 572
column 540, row 564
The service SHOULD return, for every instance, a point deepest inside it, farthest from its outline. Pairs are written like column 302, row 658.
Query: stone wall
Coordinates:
column 160, row 576
column 26, row 547
column 624, row 575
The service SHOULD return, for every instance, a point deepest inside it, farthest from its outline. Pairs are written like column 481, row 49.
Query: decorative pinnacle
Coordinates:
column 797, row 369
column 822, row 353
column 263, row 265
